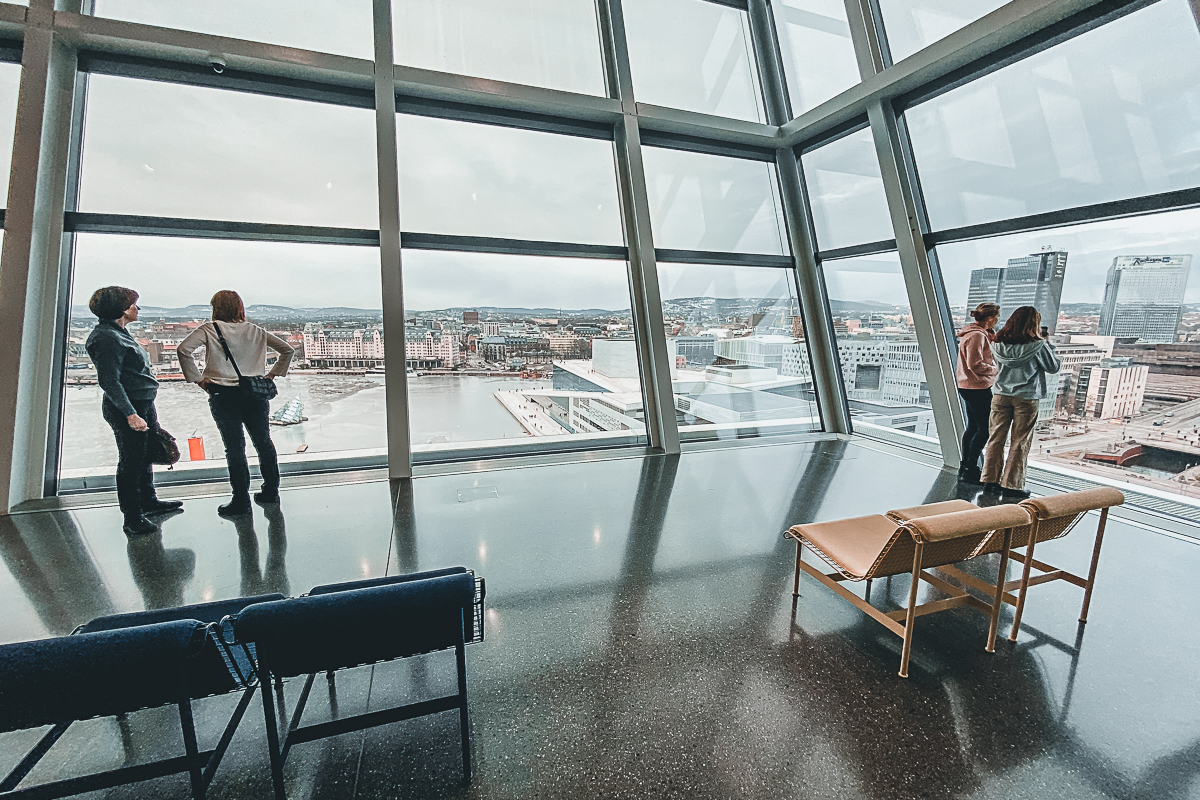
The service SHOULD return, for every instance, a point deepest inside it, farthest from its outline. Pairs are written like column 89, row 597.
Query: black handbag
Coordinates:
column 261, row 387
column 162, row 448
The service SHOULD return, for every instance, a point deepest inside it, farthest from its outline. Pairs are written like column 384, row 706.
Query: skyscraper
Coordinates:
column 1143, row 297
column 1035, row 280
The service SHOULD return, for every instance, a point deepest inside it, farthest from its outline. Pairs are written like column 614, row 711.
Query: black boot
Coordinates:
column 157, row 506
column 971, row 475
column 235, row 507
column 138, row 525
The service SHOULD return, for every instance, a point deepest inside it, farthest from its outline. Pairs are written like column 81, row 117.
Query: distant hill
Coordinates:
column 1079, row 309
column 259, row 312
column 523, row 313
column 841, row 307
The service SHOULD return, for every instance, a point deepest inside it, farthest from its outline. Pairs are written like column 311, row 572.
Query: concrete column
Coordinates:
column 390, row 260
column 649, row 328
column 30, row 260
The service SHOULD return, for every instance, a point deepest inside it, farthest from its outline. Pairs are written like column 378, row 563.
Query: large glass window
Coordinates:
column 915, row 24
column 845, row 189
column 705, row 202
column 485, row 180
column 342, row 27
column 10, row 84
column 818, row 55
column 1123, row 310
column 1111, row 114
column 519, row 350
column 877, row 346
column 736, row 343
column 550, row 43
column 168, row 150
column 694, row 55
column 323, row 299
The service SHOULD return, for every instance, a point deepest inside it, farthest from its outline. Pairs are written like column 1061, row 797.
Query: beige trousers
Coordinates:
column 1018, row 416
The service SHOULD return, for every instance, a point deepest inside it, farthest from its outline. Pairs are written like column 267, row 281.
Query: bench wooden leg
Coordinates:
column 1091, row 579
column 998, row 600
column 1024, row 590
column 911, row 617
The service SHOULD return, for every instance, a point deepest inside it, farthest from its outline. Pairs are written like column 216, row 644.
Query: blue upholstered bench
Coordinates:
column 346, row 625
column 114, row 666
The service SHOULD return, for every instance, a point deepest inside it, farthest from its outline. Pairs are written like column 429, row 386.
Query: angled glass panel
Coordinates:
column 483, row 180
column 10, row 84
column 1111, row 114
column 519, row 352
column 1121, row 302
column 325, row 300
column 693, row 55
column 705, row 202
column 736, row 342
column 168, row 150
column 342, row 27
column 877, row 347
column 550, row 43
column 818, row 55
column 912, row 25
column 845, row 189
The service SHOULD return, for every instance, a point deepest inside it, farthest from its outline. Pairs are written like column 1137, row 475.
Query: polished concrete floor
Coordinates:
column 642, row 641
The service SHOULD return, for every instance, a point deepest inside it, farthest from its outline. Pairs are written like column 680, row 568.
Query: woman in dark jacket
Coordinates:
column 123, row 372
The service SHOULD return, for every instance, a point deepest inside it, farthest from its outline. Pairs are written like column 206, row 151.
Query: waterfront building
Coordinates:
column 697, row 352
column 862, row 360
column 784, row 354
column 1075, row 357
column 1034, row 280
column 1143, row 297
column 426, row 348
column 904, row 374
column 1114, row 388
column 344, row 348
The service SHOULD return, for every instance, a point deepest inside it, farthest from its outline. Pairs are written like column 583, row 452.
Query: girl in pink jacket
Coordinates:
column 976, row 373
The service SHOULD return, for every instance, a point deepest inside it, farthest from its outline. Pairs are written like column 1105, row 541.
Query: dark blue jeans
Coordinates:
column 135, row 473
column 979, row 408
column 233, row 410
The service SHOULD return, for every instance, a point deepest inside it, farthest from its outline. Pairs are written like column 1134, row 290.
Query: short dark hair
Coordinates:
column 227, row 306
column 1023, row 327
column 112, row 302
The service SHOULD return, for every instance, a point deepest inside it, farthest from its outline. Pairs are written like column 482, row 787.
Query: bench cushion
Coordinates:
column 345, row 629
column 94, row 674
column 931, row 510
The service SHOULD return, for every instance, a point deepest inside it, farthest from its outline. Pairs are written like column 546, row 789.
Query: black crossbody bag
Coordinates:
column 254, row 386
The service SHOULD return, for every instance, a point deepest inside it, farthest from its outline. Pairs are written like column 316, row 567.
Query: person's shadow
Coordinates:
column 273, row 576
column 160, row 574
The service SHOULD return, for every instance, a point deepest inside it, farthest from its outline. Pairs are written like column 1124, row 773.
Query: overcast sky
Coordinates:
column 1113, row 113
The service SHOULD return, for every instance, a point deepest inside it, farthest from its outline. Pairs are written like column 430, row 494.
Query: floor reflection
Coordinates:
column 642, row 641
column 161, row 574
column 272, row 577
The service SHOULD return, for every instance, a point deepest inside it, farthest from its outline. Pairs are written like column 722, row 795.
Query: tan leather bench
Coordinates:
column 1052, row 518
column 875, row 546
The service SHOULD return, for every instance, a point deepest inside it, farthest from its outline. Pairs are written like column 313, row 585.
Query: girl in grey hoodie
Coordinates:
column 1024, row 358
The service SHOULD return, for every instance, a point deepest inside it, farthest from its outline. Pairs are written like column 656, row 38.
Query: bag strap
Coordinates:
column 226, row 348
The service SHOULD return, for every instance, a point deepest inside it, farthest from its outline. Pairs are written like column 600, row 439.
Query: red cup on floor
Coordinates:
column 196, row 448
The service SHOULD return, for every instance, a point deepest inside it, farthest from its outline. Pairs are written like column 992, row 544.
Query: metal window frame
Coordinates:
column 61, row 38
